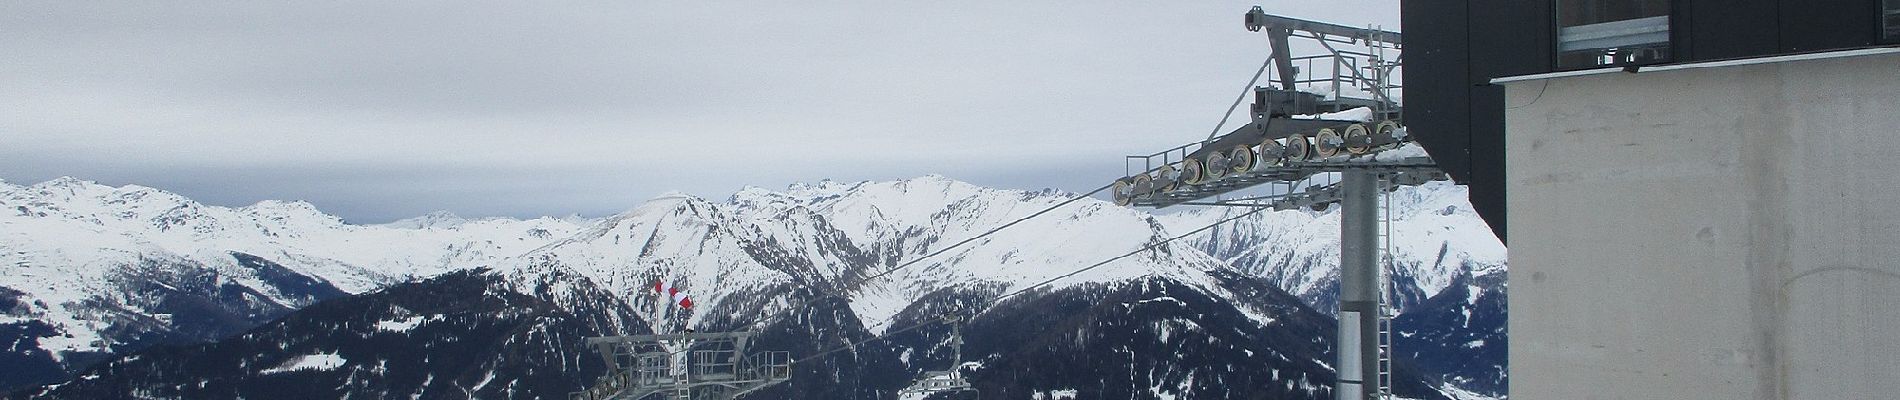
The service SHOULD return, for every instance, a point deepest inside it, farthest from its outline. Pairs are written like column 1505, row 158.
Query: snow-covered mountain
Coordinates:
column 1183, row 320
column 92, row 270
column 896, row 222
column 1435, row 237
column 1447, row 272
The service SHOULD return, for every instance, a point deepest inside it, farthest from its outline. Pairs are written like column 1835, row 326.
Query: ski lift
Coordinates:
column 931, row 383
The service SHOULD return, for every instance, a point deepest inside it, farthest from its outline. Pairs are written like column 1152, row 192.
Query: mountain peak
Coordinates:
column 666, row 203
column 754, row 193
column 937, row 182
column 66, row 181
column 283, row 207
column 282, row 211
column 933, row 177
column 674, row 195
column 822, row 184
column 439, row 219
column 131, row 188
column 69, row 187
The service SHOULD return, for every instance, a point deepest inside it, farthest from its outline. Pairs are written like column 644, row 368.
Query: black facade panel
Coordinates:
column 1724, row 29
column 1814, row 25
column 1487, row 156
column 1510, row 37
column 1439, row 61
column 1453, row 48
column 1437, row 111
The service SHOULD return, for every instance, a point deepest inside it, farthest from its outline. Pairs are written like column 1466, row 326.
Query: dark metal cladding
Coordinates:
column 1439, row 109
column 1816, row 25
column 1737, row 32
column 1455, row 47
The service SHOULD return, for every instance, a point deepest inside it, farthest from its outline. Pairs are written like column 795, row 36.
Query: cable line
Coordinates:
column 934, row 321
column 914, row 261
column 1237, row 100
column 980, row 236
column 1131, row 254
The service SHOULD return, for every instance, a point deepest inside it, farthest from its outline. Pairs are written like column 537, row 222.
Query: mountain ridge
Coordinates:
column 756, row 257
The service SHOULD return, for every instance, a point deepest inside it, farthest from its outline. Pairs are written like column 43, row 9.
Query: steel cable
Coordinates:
column 1025, row 289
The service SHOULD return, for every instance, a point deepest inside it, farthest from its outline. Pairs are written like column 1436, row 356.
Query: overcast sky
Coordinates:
column 382, row 110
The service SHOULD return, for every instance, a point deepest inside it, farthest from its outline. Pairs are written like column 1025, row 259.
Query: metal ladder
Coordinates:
column 1380, row 71
column 1385, row 289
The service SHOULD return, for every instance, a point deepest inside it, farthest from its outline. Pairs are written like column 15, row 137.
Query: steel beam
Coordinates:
column 1258, row 19
column 1358, row 343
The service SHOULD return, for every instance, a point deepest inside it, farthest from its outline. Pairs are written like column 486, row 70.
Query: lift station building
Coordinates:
column 1702, row 194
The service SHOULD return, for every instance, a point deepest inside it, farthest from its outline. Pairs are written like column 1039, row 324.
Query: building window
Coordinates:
column 1593, row 33
column 1890, row 20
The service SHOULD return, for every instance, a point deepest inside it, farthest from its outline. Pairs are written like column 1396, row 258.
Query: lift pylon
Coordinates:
column 951, row 381
column 1298, row 135
column 683, row 366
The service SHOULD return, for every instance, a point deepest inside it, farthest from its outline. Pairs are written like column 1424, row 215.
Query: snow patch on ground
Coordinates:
column 1058, row 394
column 401, row 325
column 1457, row 393
column 1360, row 114
column 309, row 362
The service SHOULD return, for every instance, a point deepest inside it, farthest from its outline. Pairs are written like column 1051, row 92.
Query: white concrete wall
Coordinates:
column 1710, row 233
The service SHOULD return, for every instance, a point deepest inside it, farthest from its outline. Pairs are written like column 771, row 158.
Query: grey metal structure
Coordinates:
column 950, row 381
column 1286, row 141
column 1365, row 58
column 1359, row 300
column 685, row 366
column 1287, row 144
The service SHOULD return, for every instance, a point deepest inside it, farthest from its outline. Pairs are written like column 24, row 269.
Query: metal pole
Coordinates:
column 1282, row 57
column 1358, row 285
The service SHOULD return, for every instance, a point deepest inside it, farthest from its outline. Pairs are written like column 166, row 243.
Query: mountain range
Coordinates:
column 114, row 292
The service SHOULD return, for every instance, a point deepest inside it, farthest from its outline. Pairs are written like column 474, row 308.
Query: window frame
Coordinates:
column 1669, row 45
column 1887, row 21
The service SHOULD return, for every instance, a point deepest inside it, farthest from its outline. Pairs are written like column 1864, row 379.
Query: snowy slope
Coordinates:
column 456, row 335
column 1436, row 236
column 102, row 267
column 793, row 263
column 697, row 245
column 830, row 236
column 901, row 221
column 1448, row 274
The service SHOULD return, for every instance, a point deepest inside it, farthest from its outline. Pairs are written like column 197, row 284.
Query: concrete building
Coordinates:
column 1702, row 194
column 1713, row 232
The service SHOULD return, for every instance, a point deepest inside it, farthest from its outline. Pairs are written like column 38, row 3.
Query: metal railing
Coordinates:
column 683, row 366
column 771, row 366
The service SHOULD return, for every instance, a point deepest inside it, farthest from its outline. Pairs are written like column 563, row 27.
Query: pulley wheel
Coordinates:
column 1388, row 130
column 1124, row 192
column 1358, row 139
column 1169, row 178
column 1327, row 143
column 1194, row 171
column 1296, row 148
column 1216, row 166
column 1143, row 185
column 1272, row 154
column 1241, row 159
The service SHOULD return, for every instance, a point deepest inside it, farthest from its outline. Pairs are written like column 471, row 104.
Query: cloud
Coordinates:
column 392, row 109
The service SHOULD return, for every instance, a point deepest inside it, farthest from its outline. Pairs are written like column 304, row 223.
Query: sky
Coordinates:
column 376, row 111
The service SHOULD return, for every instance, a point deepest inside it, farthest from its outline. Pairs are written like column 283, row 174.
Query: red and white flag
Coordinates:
column 678, row 296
